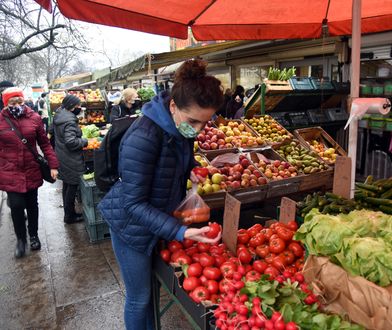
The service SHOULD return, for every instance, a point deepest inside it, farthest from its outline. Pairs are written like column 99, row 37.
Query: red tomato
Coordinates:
column 252, row 276
column 267, row 233
column 245, row 257
column 203, row 280
column 291, row 269
column 260, row 266
column 215, row 298
column 217, row 250
column 195, row 269
column 183, row 260
column 228, row 269
column 165, row 255
column 276, row 245
column 191, row 251
column 287, row 257
column 212, row 273
column 176, row 254
column 269, row 258
column 174, row 246
column 243, row 237
column 226, row 285
column 272, row 272
column 257, row 226
column 257, row 240
column 203, row 247
column 190, row 283
column 187, row 243
column 278, row 263
column 212, row 286
column 292, row 225
column 215, row 229
column 200, row 294
column 262, row 251
column 285, row 233
column 206, row 260
column 196, row 257
column 219, row 260
column 296, row 248
column 299, row 264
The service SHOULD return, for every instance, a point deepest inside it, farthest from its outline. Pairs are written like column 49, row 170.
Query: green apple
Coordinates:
column 207, row 188
column 200, row 190
column 189, row 184
column 216, row 187
column 216, row 178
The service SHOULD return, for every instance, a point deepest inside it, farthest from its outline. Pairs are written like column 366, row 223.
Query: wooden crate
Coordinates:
column 277, row 86
column 304, row 135
column 321, row 180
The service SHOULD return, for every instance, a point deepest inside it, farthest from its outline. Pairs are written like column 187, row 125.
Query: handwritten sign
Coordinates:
column 288, row 209
column 231, row 218
column 342, row 177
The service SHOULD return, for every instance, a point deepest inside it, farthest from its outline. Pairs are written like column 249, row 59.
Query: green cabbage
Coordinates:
column 90, row 131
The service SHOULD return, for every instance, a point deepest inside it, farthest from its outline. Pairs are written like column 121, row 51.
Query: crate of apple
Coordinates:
column 269, row 129
column 212, row 138
column 276, row 169
column 238, row 135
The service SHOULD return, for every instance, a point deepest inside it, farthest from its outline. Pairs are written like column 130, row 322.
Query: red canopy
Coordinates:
column 231, row 20
column 46, row 4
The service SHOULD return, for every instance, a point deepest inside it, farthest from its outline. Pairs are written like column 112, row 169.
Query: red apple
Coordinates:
column 205, row 146
column 221, row 142
column 245, row 183
column 247, row 171
column 238, row 168
column 261, row 181
column 245, row 163
column 201, row 137
column 253, row 182
column 251, row 168
column 256, row 173
column 276, row 163
column 237, row 175
column 245, row 177
column 214, row 145
column 214, row 138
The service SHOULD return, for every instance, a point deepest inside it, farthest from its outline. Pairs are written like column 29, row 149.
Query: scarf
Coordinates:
column 16, row 111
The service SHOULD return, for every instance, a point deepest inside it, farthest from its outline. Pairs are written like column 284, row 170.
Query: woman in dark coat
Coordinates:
column 236, row 102
column 69, row 150
column 127, row 105
column 155, row 161
column 20, row 174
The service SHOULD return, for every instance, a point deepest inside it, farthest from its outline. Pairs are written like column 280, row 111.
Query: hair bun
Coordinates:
column 191, row 69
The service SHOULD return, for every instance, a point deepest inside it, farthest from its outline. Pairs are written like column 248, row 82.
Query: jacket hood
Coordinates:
column 63, row 116
column 158, row 111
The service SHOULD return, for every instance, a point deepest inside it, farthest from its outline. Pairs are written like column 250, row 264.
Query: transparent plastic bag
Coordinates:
column 192, row 209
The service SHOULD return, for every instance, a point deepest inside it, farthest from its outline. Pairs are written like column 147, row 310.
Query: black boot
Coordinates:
column 20, row 248
column 35, row 243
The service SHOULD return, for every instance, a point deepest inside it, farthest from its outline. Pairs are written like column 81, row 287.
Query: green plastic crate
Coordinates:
column 377, row 123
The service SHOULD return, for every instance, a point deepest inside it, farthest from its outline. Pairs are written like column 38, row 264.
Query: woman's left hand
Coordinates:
column 53, row 173
column 197, row 234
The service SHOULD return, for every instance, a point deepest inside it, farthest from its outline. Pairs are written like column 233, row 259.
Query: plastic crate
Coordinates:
column 377, row 123
column 91, row 196
column 341, row 87
column 97, row 232
column 321, row 84
column 301, row 84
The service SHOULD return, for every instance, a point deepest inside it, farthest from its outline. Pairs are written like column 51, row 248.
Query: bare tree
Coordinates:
column 27, row 28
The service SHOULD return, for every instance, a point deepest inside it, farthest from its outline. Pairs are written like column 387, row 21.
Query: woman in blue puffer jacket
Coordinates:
column 155, row 161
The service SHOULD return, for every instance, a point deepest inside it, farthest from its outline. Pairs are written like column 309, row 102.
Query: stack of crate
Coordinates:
column 95, row 225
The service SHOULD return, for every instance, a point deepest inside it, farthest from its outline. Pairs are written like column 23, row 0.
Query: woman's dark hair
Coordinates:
column 192, row 85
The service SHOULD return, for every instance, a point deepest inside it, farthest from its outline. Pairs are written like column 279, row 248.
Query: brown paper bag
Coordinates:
column 362, row 301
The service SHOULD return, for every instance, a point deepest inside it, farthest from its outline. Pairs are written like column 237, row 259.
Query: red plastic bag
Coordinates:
column 192, row 209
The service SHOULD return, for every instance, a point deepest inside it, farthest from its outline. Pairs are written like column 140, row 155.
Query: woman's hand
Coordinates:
column 197, row 234
column 53, row 173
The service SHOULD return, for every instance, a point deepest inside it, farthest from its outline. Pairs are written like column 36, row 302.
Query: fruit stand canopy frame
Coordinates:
column 230, row 20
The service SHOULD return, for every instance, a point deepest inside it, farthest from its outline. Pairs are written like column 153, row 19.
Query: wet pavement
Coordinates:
column 70, row 283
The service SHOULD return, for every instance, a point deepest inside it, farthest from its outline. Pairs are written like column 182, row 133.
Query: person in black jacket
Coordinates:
column 155, row 161
column 127, row 106
column 236, row 102
column 69, row 150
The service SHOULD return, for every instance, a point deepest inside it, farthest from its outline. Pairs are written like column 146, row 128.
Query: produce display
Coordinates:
column 79, row 94
column 93, row 143
column 93, row 95
column 276, row 169
column 269, row 129
column 94, row 117
column 304, row 160
column 56, row 97
column 212, row 138
column 375, row 196
column 328, row 154
column 146, row 94
column 277, row 74
column 238, row 136
column 360, row 242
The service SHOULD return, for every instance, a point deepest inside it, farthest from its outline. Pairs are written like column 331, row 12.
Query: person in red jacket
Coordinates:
column 20, row 174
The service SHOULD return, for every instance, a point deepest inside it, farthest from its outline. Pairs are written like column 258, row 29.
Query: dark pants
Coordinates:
column 46, row 124
column 135, row 270
column 69, row 194
column 18, row 202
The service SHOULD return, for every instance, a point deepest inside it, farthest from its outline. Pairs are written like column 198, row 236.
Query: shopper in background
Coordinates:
column 226, row 99
column 155, row 161
column 4, row 85
column 20, row 174
column 127, row 105
column 69, row 150
column 236, row 101
column 43, row 110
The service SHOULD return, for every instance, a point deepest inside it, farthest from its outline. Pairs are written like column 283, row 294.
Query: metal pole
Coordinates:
column 354, row 93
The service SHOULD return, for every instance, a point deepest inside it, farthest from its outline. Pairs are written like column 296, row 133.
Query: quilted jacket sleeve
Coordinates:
column 138, row 158
column 72, row 142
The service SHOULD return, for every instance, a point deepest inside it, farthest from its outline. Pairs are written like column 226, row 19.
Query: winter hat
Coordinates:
column 5, row 84
column 10, row 93
column 70, row 101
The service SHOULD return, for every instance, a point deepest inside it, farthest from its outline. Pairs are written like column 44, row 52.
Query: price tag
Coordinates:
column 342, row 177
column 231, row 218
column 288, row 208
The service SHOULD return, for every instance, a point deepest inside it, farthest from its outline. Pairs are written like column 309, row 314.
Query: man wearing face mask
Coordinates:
column 69, row 150
column 126, row 105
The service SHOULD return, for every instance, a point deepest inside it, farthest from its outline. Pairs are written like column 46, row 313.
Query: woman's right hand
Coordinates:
column 197, row 234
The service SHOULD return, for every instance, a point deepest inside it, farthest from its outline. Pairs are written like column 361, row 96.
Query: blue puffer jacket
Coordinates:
column 154, row 163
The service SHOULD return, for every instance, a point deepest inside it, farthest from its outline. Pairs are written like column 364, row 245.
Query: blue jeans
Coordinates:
column 135, row 270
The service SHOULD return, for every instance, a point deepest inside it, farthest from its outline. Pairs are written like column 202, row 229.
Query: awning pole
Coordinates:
column 354, row 93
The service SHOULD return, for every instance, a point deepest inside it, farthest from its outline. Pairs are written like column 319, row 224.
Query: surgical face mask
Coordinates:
column 76, row 111
column 186, row 129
